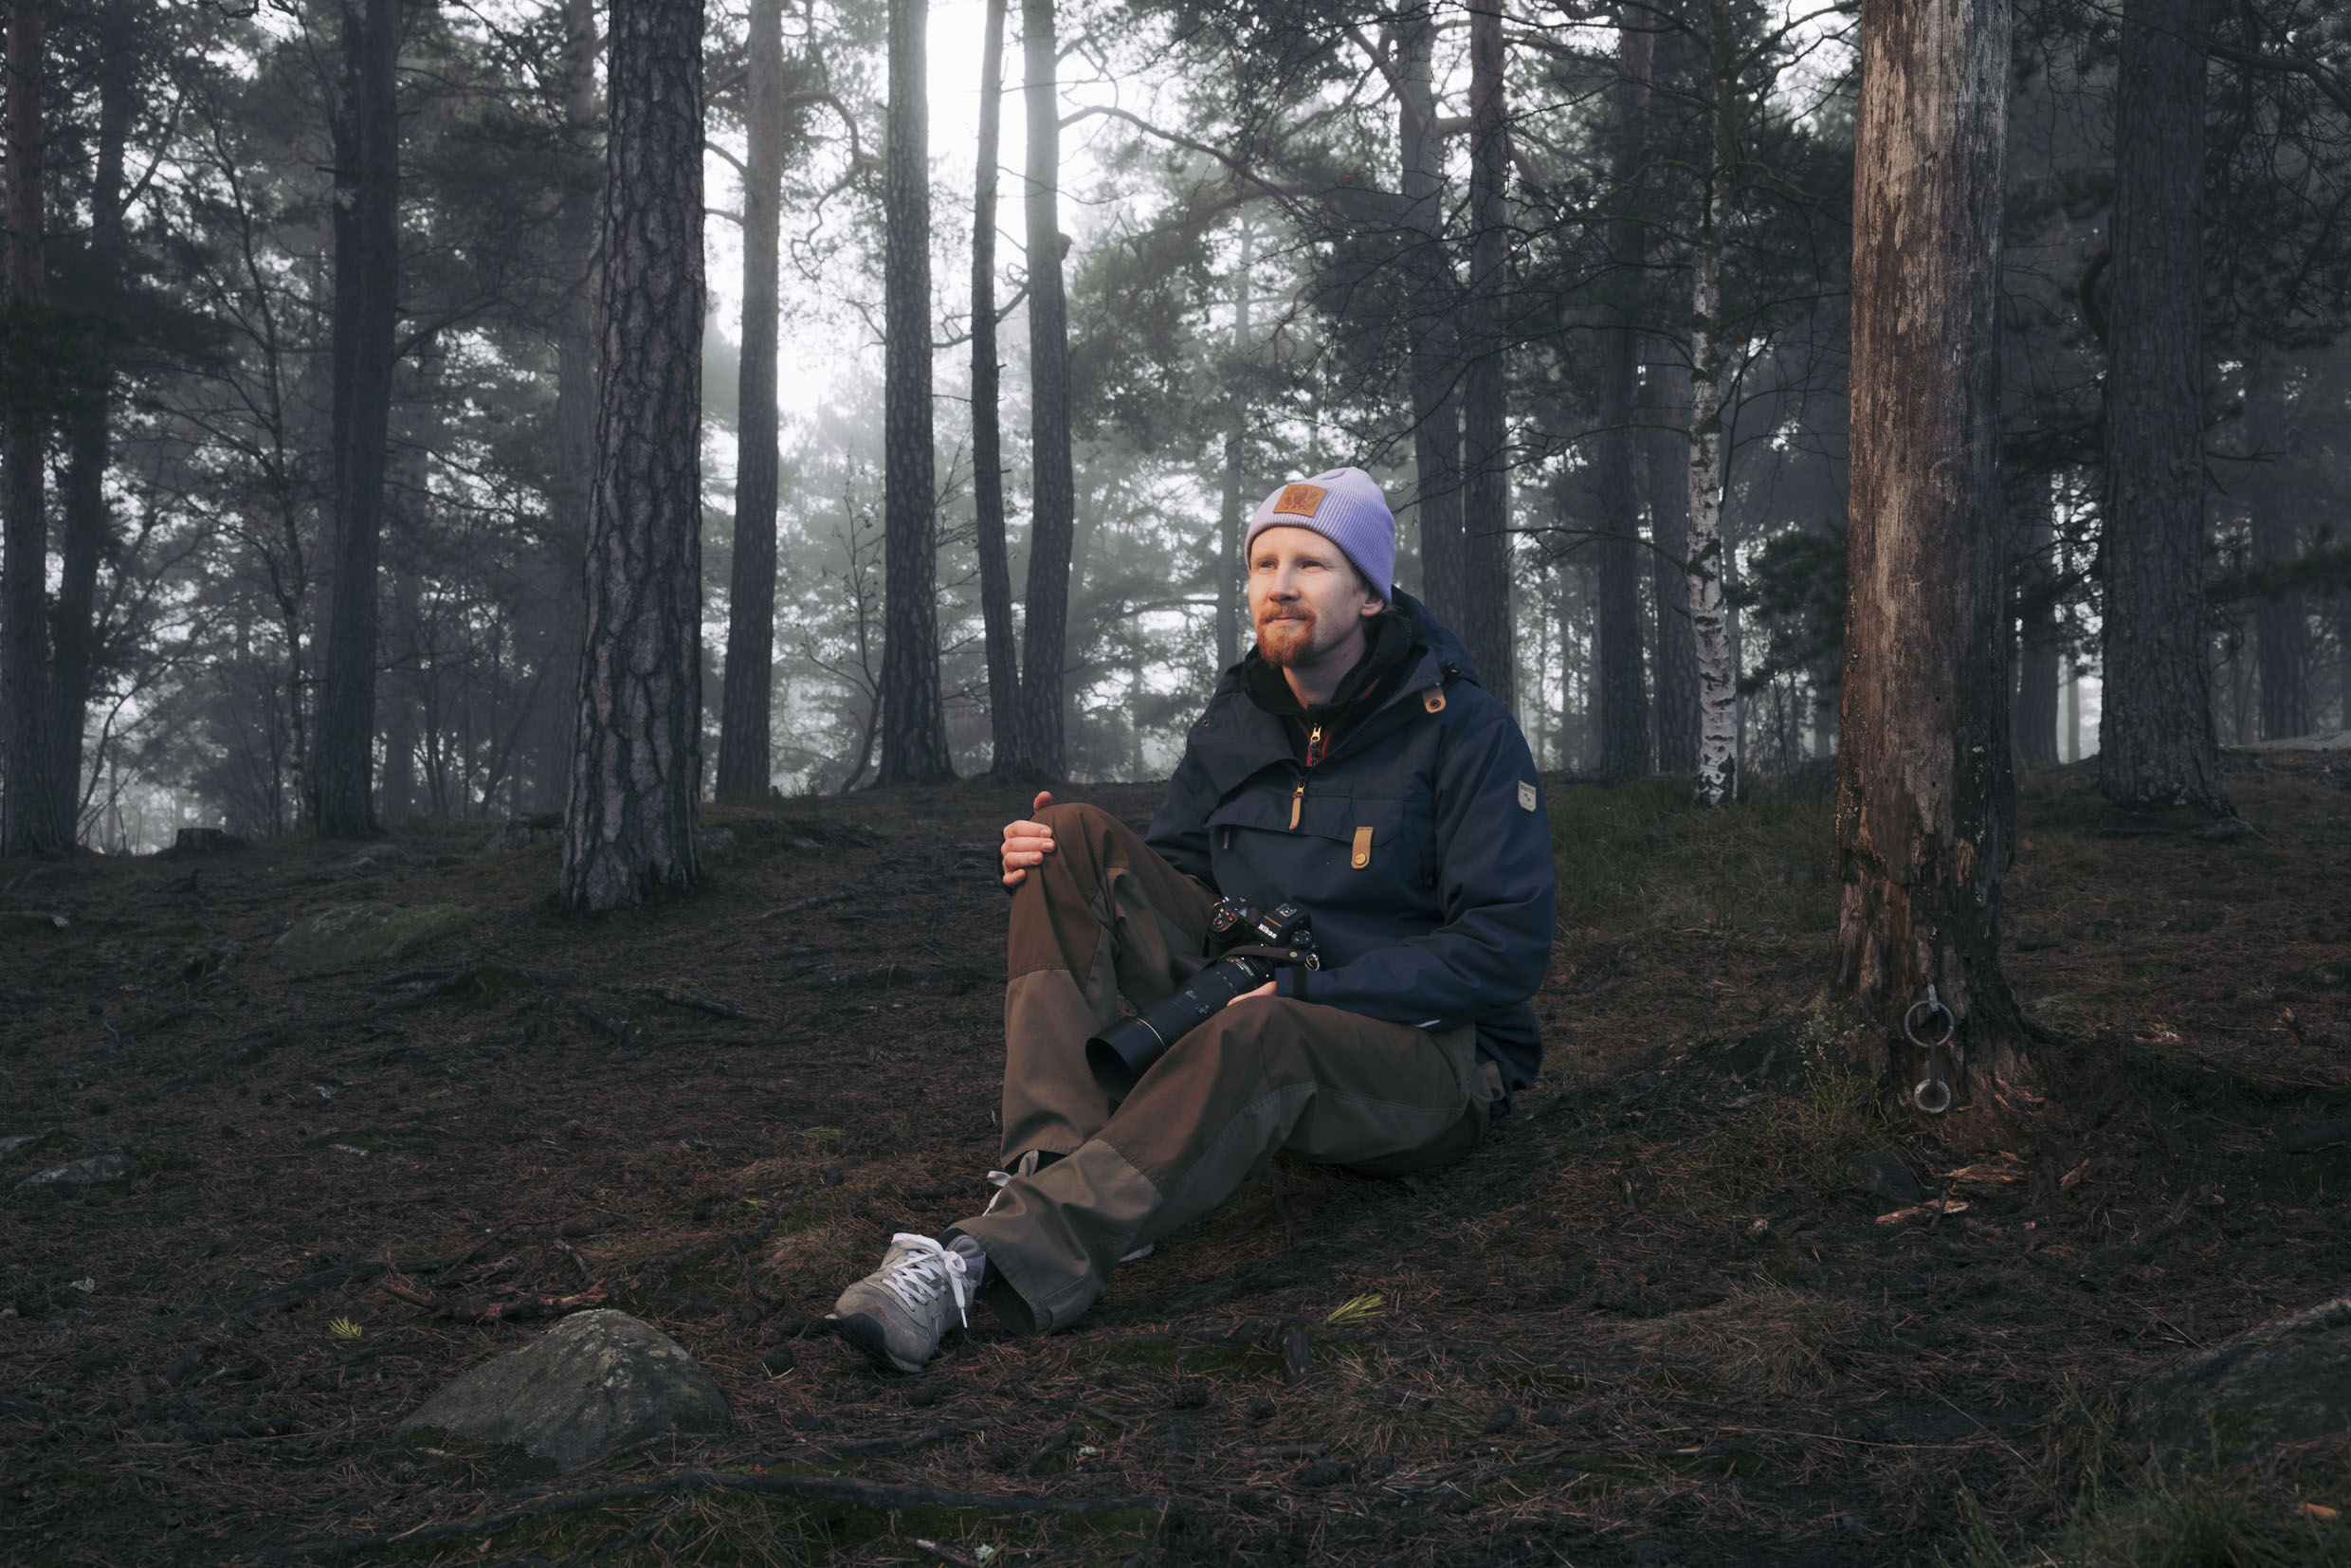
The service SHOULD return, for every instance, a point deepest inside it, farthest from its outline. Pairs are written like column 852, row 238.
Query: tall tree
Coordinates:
column 630, row 825
column 87, row 535
column 1485, row 613
column 29, row 819
column 1430, row 325
column 2156, row 742
column 1667, row 451
column 1052, row 518
column 744, row 755
column 1616, row 629
column 1925, row 796
column 2281, row 619
column 2034, row 728
column 1709, row 561
column 1234, row 502
column 996, row 567
column 573, row 433
column 914, row 726
column 365, row 313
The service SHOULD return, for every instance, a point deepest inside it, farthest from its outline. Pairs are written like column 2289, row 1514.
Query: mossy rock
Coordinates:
column 353, row 934
column 595, row 1382
column 2285, row 1382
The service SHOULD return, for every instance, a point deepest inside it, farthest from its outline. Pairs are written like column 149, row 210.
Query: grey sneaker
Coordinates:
column 1026, row 1165
column 898, row 1314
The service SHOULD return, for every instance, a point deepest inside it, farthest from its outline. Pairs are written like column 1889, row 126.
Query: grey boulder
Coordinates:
column 2284, row 1381
column 364, row 933
column 595, row 1382
column 97, row 1171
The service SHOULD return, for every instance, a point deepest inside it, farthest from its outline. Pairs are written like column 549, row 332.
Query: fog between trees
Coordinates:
column 314, row 433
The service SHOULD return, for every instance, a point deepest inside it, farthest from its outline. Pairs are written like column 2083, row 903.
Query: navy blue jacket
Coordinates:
column 1421, row 845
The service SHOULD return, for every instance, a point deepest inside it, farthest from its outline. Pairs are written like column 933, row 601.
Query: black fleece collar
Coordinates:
column 1387, row 643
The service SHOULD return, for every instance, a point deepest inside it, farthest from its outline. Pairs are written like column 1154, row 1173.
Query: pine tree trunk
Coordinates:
column 914, row 729
column 746, row 699
column 1053, row 504
column 995, row 566
column 88, row 523
column 1709, row 557
column 1668, row 453
column 2156, row 740
column 629, row 822
column 1616, row 631
column 1431, row 325
column 1484, row 622
column 573, row 429
column 2281, row 624
column 29, row 819
column 1925, row 796
column 396, row 791
column 366, row 307
column 1231, row 581
column 2035, row 726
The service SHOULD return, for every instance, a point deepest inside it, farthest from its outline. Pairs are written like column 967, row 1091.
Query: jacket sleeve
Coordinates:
column 1179, row 831
column 1499, row 890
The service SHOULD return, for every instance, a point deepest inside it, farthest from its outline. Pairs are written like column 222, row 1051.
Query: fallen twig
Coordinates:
column 812, row 1488
column 700, row 1004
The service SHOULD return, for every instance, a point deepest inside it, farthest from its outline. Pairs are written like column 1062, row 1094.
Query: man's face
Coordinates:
column 1305, row 598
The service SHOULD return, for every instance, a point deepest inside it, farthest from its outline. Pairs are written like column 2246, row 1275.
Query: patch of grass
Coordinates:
column 1764, row 1336
column 1798, row 1141
column 1636, row 856
column 2242, row 1516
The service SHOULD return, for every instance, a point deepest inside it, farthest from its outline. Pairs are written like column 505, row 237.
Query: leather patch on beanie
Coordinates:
column 1300, row 501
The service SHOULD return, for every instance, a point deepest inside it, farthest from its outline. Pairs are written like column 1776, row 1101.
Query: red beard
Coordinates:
column 1285, row 638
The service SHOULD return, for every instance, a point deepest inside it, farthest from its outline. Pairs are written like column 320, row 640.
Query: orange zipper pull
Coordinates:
column 1298, row 804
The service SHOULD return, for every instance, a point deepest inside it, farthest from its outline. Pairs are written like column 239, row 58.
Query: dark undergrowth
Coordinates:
column 1658, row 1318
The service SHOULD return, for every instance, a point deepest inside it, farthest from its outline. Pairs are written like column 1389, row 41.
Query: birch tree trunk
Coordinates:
column 28, row 821
column 1925, row 796
column 630, row 825
column 996, row 569
column 914, row 728
column 2156, row 740
column 1235, row 501
column 745, row 752
column 573, row 435
column 1053, row 488
column 1485, row 621
column 1617, row 628
column 1718, row 665
column 366, row 312
column 1667, row 454
column 1430, row 325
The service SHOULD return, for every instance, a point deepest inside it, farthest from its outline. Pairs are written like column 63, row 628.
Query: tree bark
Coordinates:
column 914, row 729
column 746, row 699
column 1053, row 494
column 995, row 566
column 29, row 819
column 1233, row 504
column 1925, row 796
column 88, row 535
column 1431, row 323
column 2282, row 624
column 1616, row 629
column 2156, row 740
column 1710, row 563
column 366, row 307
column 2035, row 726
column 630, row 825
column 1485, row 623
column 573, row 433
column 1667, row 452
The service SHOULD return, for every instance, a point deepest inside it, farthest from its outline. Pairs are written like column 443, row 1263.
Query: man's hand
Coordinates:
column 1266, row 990
column 1027, row 843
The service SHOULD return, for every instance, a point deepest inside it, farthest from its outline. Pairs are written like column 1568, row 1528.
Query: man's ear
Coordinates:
column 1372, row 607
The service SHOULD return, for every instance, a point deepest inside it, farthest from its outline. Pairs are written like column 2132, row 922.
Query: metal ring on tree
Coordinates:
column 1932, row 1093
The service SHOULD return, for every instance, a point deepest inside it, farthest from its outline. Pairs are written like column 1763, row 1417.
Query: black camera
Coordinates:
column 1265, row 940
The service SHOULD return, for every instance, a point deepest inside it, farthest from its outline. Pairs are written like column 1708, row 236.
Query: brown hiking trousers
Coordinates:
column 1105, row 916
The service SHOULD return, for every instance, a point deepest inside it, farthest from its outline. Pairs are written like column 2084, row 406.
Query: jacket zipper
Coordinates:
column 1314, row 745
column 1298, row 803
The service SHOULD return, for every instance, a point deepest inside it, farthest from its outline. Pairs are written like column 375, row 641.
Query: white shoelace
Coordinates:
column 926, row 1268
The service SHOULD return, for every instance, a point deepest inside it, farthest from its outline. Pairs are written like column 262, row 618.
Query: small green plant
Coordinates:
column 820, row 1135
column 343, row 1328
column 1356, row 1310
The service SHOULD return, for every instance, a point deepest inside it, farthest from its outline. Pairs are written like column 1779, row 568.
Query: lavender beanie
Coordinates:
column 1345, row 507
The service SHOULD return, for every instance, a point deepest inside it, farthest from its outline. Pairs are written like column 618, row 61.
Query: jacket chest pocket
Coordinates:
column 1340, row 836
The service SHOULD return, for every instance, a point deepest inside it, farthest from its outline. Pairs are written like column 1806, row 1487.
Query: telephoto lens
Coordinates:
column 1121, row 1055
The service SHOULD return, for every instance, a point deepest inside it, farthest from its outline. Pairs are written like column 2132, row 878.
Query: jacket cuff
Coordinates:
column 1290, row 980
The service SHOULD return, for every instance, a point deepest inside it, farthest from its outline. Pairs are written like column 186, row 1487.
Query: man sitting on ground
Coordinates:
column 1350, row 765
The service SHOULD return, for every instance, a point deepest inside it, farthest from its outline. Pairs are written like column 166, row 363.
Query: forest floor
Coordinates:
column 1656, row 1318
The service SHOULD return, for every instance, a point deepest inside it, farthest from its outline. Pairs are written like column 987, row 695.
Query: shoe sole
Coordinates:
column 869, row 1340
